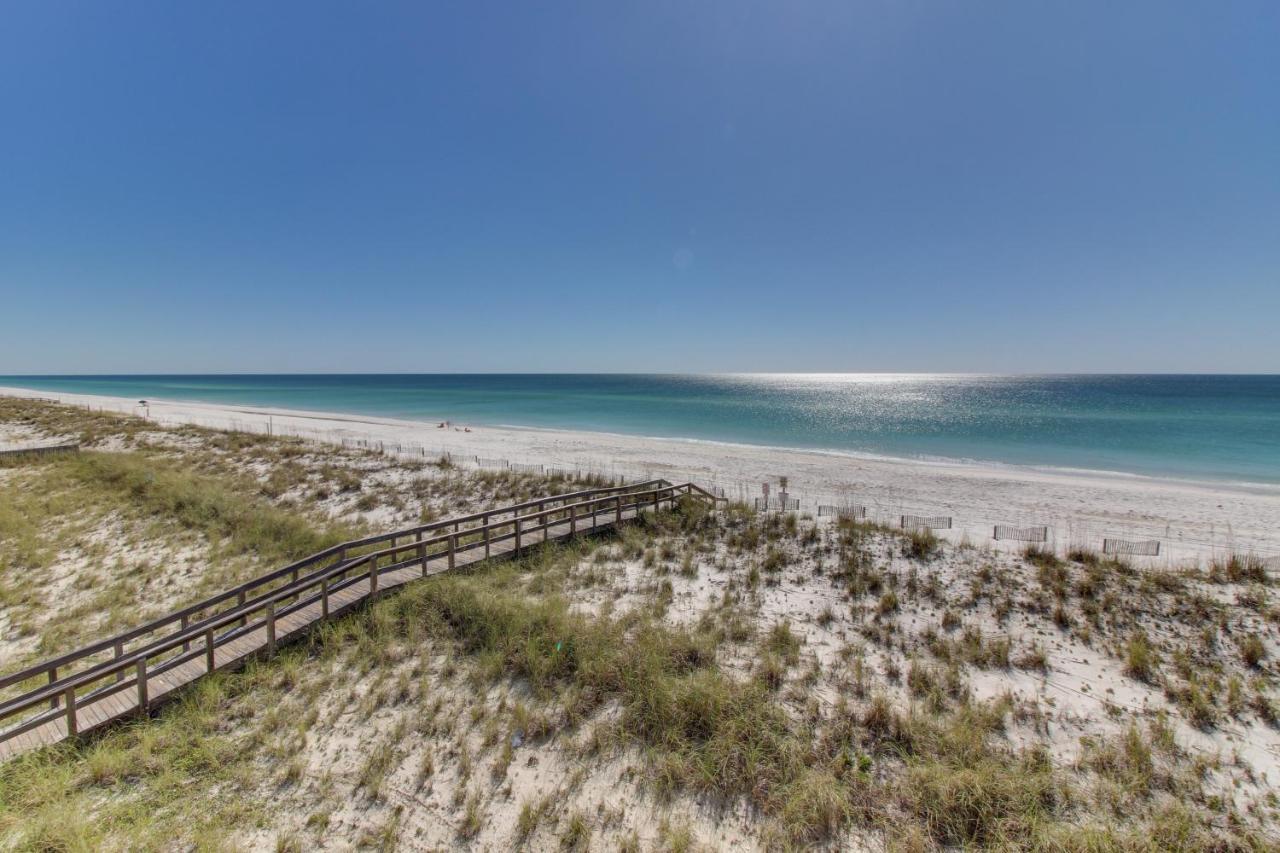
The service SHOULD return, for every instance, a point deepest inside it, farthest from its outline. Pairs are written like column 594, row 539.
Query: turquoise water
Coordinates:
column 1224, row 428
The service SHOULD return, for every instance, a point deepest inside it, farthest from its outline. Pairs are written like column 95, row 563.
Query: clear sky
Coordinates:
column 686, row 186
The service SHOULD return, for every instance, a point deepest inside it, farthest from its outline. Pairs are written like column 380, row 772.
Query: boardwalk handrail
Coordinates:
column 317, row 586
column 293, row 568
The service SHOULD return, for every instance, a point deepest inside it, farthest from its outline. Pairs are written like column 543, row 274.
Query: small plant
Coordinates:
column 470, row 826
column 784, row 643
column 775, row 560
column 1139, row 660
column 1252, row 650
column 530, row 817
column 1239, row 568
column 577, row 835
column 1034, row 657
column 921, row 544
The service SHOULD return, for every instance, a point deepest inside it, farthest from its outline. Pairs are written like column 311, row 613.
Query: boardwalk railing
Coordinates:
column 82, row 690
column 38, row 450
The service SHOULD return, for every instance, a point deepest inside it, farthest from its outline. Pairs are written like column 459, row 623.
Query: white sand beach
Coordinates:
column 1193, row 521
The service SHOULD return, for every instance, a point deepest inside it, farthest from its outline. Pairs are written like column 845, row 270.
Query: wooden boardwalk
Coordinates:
column 134, row 672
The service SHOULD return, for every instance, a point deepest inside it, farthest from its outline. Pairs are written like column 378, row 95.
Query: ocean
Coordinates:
column 1204, row 427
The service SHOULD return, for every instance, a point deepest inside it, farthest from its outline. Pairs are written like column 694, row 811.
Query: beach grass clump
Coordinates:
column 1139, row 657
column 1041, row 557
column 920, row 543
column 1239, row 568
column 1253, row 651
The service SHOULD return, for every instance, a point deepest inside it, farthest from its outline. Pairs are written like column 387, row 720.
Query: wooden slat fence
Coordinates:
column 1122, row 547
column 777, row 504
column 131, row 672
column 1021, row 534
column 925, row 522
column 857, row 513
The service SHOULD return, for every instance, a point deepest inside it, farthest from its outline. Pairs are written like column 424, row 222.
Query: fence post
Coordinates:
column 186, row 646
column 618, row 519
column 53, row 676
column 422, row 555
column 453, row 547
column 244, row 618
column 516, row 521
column 71, row 712
column 324, row 597
column 373, row 577
column 208, row 649
column 486, row 536
column 573, row 521
column 142, row 684
column 119, row 649
column 271, row 628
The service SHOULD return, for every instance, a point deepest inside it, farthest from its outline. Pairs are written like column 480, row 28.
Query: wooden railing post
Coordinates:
column 618, row 520
column 486, row 536
column 373, row 576
column 422, row 554
column 208, row 649
column 119, row 650
column 143, row 701
column 244, row 617
column 516, row 521
column 324, row 596
column 271, row 628
column 186, row 646
column 53, row 676
column 453, row 548
column 573, row 521
column 72, row 723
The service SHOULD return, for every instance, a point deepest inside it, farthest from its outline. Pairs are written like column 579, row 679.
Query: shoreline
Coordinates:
column 1096, row 426
column 1194, row 519
column 964, row 464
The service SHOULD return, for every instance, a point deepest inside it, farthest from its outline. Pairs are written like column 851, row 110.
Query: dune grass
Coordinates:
column 211, row 506
column 924, row 767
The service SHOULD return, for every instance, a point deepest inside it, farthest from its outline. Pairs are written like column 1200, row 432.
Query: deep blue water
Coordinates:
column 1196, row 426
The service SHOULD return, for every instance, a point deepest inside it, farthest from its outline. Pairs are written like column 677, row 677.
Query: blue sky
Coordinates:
column 839, row 186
